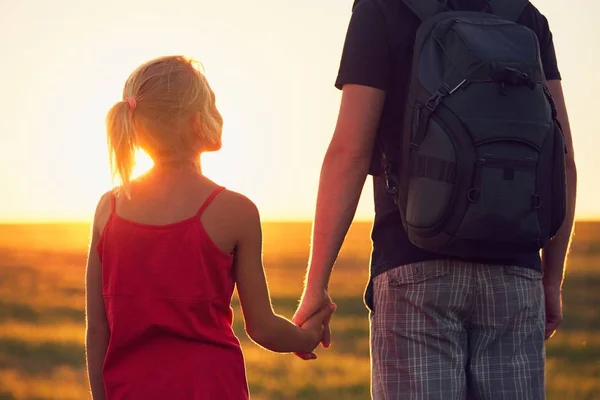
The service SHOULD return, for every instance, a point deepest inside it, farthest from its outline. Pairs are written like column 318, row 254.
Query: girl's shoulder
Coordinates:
column 238, row 203
column 235, row 207
column 232, row 218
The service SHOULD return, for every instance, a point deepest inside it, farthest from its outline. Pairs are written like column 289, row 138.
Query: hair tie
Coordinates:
column 132, row 104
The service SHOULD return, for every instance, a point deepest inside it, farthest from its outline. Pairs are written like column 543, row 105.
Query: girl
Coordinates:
column 167, row 250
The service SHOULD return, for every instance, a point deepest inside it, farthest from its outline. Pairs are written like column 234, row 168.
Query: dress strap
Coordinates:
column 113, row 202
column 209, row 200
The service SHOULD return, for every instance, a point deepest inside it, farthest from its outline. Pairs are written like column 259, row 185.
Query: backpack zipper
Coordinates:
column 521, row 141
column 498, row 22
column 524, row 165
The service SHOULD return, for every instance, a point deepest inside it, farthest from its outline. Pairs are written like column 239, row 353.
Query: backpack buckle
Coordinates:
column 435, row 100
column 425, row 113
column 391, row 182
column 414, row 145
column 391, row 186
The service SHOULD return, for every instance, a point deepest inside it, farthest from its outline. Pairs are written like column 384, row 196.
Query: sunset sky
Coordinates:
column 272, row 64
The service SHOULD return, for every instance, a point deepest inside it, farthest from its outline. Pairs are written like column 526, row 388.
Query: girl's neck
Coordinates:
column 188, row 167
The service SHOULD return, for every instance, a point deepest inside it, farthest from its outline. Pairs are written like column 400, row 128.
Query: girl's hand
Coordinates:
column 314, row 326
column 312, row 301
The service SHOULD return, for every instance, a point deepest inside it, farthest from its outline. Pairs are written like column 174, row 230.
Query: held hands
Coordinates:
column 314, row 327
column 314, row 313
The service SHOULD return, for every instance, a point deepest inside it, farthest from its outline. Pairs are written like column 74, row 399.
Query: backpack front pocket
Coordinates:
column 503, row 203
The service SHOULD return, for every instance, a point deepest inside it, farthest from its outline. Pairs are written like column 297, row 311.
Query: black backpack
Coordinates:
column 482, row 159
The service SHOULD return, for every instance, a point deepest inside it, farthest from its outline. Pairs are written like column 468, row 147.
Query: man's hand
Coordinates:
column 312, row 302
column 554, row 314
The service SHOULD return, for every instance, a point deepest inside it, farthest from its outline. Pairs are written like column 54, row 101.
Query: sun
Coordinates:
column 214, row 165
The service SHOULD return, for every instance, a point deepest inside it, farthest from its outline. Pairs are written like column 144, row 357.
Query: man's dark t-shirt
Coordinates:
column 378, row 53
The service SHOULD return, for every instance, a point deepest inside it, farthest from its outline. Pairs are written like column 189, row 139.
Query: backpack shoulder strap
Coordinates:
column 510, row 10
column 426, row 8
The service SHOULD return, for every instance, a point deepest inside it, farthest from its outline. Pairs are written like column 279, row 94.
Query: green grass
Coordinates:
column 41, row 319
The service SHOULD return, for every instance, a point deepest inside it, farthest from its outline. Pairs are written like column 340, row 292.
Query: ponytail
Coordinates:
column 121, row 143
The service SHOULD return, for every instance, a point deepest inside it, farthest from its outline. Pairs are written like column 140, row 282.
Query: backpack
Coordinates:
column 481, row 172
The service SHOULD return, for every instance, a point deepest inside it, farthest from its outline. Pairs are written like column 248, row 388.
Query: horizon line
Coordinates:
column 86, row 221
column 8, row 222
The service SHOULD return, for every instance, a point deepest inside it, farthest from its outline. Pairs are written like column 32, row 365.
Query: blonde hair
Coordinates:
column 175, row 117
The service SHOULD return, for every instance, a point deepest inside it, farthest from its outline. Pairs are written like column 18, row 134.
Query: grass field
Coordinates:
column 42, row 303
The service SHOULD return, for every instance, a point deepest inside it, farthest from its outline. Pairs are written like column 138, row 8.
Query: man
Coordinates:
column 440, row 328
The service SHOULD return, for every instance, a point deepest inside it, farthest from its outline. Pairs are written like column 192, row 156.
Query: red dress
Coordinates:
column 167, row 293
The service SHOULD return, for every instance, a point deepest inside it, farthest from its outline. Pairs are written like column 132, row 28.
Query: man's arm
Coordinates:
column 343, row 175
column 365, row 71
column 555, row 253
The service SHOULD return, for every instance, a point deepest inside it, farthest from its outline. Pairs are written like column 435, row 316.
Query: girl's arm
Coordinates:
column 97, row 333
column 262, row 324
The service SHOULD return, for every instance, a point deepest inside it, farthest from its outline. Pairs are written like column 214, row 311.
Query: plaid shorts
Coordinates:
column 457, row 330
